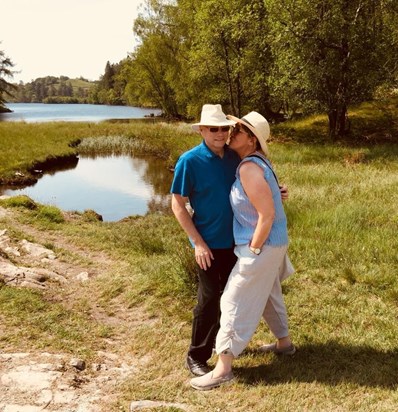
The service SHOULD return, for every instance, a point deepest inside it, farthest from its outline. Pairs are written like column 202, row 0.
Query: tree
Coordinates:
column 231, row 55
column 332, row 53
column 106, row 80
column 263, row 55
column 193, row 52
column 153, row 68
column 5, row 71
column 111, row 87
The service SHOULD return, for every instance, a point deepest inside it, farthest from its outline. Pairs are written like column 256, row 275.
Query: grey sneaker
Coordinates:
column 207, row 382
column 272, row 348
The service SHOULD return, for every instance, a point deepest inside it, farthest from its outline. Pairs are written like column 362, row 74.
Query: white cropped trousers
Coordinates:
column 253, row 291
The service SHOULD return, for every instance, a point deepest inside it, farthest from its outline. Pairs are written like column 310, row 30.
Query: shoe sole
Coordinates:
column 214, row 386
column 280, row 352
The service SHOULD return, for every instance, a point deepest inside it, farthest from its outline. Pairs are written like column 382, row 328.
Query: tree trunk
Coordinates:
column 337, row 121
column 332, row 115
column 341, row 128
column 228, row 72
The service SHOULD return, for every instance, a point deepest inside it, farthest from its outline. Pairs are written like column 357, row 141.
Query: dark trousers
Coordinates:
column 206, row 314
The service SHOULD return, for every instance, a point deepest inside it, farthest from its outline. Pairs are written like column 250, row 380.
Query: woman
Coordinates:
column 260, row 232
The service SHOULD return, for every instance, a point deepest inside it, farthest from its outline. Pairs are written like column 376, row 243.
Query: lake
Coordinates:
column 40, row 112
column 114, row 186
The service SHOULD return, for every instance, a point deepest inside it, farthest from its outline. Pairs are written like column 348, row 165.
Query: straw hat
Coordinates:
column 212, row 115
column 258, row 125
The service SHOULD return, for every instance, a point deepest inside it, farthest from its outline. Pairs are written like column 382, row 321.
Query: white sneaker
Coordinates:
column 207, row 382
column 272, row 348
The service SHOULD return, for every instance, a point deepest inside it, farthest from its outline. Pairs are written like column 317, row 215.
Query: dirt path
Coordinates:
column 34, row 380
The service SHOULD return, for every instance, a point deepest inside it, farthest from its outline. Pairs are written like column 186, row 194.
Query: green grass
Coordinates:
column 34, row 322
column 342, row 301
column 45, row 213
column 368, row 123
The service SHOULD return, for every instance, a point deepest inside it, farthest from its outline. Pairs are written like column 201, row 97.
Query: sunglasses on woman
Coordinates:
column 241, row 128
column 216, row 129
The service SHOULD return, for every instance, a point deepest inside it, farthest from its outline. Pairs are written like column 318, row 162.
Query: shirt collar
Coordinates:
column 209, row 153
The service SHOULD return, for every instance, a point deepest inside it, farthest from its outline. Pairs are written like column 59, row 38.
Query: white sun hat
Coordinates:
column 258, row 125
column 212, row 115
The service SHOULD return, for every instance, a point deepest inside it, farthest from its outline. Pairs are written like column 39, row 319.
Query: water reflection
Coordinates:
column 113, row 186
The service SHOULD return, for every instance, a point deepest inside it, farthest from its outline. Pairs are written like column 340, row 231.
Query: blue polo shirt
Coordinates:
column 206, row 179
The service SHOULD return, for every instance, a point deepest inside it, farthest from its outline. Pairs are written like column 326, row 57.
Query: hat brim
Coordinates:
column 196, row 126
column 249, row 126
column 263, row 142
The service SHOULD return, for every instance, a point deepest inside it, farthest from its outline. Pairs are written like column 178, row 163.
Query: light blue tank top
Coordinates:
column 246, row 216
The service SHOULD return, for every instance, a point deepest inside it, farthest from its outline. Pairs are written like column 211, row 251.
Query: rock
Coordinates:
column 5, row 244
column 29, row 377
column 35, row 250
column 24, row 276
column 32, row 382
column 78, row 364
column 83, row 277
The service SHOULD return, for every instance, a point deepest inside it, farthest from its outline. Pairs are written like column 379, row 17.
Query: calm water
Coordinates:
column 115, row 187
column 40, row 112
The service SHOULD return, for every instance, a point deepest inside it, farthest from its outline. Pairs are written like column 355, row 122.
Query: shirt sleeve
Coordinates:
column 182, row 181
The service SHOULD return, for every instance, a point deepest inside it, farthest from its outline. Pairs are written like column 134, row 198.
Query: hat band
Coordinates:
column 246, row 121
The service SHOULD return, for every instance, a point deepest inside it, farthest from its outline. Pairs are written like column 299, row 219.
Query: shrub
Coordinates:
column 51, row 214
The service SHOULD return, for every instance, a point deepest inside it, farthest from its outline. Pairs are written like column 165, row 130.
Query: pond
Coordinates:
column 40, row 112
column 115, row 186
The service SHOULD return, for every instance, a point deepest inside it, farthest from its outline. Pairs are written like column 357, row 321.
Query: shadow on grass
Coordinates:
column 331, row 363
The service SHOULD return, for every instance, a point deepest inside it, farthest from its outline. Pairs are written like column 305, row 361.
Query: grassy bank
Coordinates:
column 342, row 301
column 24, row 146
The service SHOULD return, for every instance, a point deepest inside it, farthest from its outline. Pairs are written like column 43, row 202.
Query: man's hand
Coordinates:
column 284, row 192
column 203, row 256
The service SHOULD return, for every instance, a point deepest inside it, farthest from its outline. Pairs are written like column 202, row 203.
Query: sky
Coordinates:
column 66, row 37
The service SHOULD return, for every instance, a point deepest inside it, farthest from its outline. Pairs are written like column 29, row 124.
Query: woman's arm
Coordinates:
column 260, row 196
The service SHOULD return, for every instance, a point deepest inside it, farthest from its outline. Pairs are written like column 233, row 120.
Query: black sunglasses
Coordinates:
column 216, row 129
column 242, row 128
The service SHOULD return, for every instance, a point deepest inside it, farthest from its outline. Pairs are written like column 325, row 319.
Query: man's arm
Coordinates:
column 203, row 253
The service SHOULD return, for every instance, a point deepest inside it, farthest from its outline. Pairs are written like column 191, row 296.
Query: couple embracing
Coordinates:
column 239, row 234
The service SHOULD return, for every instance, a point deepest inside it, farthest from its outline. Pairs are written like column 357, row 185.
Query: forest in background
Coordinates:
column 51, row 89
column 62, row 89
column 282, row 58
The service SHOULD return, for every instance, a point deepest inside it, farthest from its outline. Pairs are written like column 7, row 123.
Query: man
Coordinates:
column 204, row 176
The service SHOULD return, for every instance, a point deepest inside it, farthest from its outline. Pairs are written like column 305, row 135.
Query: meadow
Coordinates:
column 342, row 301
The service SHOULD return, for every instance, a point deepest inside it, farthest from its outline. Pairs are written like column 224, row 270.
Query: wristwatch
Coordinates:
column 255, row 250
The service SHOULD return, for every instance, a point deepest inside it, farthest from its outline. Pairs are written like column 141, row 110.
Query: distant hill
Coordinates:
column 53, row 89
